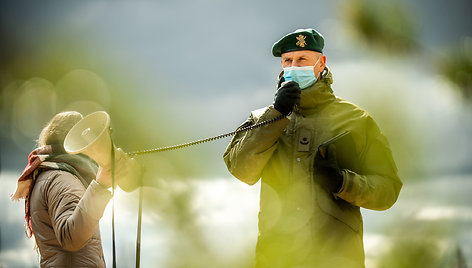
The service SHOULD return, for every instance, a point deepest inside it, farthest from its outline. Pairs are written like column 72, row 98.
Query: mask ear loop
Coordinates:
column 321, row 73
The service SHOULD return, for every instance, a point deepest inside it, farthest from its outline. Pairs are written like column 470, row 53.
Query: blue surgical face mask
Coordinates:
column 304, row 76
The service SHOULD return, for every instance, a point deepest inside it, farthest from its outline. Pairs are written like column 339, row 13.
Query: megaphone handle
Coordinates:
column 138, row 235
column 112, row 154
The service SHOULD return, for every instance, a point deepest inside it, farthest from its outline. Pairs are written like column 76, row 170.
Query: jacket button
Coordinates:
column 298, row 159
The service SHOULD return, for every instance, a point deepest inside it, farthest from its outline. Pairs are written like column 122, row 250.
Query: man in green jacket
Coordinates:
column 309, row 204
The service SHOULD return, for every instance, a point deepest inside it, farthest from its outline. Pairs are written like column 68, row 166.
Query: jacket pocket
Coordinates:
column 339, row 209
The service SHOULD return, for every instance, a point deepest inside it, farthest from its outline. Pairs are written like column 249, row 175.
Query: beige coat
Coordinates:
column 64, row 218
column 301, row 224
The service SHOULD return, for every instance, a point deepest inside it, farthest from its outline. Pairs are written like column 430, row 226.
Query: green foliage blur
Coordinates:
column 40, row 80
column 386, row 25
column 456, row 66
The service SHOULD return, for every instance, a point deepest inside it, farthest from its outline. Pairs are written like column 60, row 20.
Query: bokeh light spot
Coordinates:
column 83, row 85
column 34, row 105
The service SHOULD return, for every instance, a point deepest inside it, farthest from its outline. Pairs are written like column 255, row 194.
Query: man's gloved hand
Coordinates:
column 287, row 95
column 327, row 172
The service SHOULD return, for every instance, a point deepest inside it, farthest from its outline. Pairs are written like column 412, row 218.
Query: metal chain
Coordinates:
column 192, row 143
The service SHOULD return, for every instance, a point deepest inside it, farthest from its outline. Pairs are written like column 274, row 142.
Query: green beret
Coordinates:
column 301, row 39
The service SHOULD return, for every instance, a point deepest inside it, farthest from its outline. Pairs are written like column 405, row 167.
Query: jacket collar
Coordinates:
column 316, row 95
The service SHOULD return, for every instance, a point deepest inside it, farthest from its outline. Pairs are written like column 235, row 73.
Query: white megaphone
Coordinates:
column 91, row 136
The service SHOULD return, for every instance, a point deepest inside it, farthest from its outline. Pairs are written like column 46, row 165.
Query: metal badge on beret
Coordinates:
column 301, row 41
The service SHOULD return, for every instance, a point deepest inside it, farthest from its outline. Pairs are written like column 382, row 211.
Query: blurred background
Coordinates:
column 173, row 71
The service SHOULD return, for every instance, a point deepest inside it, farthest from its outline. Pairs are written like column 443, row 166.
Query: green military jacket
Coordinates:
column 301, row 224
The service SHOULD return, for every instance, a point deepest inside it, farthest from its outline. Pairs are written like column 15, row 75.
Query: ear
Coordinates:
column 323, row 62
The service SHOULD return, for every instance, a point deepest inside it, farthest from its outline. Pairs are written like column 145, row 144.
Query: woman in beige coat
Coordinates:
column 64, row 199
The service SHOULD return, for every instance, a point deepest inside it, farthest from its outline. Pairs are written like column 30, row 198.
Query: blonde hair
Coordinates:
column 56, row 130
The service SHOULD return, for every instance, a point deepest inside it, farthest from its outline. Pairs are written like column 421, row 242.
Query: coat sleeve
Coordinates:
column 75, row 214
column 378, row 186
column 248, row 152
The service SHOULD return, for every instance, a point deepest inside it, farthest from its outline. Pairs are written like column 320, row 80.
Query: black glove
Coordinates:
column 327, row 172
column 287, row 95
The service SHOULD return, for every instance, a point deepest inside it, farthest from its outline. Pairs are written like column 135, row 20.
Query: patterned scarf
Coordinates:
column 51, row 157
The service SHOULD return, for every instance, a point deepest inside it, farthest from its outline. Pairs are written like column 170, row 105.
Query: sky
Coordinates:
column 173, row 71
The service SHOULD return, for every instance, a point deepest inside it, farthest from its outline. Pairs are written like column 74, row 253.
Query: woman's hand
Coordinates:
column 104, row 174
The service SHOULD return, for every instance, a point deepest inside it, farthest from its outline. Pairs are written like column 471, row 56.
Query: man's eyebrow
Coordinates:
column 305, row 55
